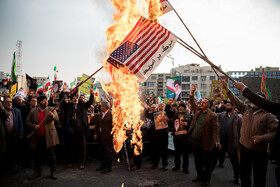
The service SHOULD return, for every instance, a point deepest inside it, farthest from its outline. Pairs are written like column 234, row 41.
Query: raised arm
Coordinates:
column 267, row 105
column 193, row 104
column 91, row 98
column 237, row 102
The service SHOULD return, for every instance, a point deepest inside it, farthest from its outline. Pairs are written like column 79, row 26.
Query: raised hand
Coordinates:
column 193, row 89
column 239, row 85
column 91, row 89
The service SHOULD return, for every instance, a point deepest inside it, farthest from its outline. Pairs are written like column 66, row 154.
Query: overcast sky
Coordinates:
column 70, row 34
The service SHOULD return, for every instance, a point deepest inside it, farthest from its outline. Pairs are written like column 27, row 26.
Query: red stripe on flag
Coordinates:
column 144, row 43
column 136, row 28
column 149, row 46
column 147, row 58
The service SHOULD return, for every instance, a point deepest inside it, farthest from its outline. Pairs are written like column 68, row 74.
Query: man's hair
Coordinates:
column 30, row 98
column 207, row 100
column 106, row 104
column 230, row 103
column 177, row 82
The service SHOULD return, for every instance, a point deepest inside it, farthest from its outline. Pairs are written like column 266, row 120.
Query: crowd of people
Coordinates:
column 246, row 131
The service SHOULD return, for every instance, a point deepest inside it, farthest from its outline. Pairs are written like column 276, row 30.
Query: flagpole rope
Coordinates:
column 187, row 29
column 77, row 86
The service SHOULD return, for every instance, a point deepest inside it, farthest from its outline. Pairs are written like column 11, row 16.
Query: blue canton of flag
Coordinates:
column 122, row 53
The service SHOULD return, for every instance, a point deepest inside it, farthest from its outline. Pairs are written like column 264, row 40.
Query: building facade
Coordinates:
column 155, row 85
column 191, row 74
column 253, row 80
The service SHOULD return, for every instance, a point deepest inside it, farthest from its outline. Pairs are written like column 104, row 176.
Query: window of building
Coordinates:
column 153, row 77
column 203, row 94
column 212, row 77
column 185, row 86
column 149, row 84
column 202, row 86
column 185, row 94
column 160, row 75
column 194, row 78
column 186, row 79
column 269, row 73
column 186, row 71
column 203, row 78
column 274, row 73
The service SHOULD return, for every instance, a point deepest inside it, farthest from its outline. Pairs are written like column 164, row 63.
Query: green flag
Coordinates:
column 73, row 83
column 269, row 94
column 54, row 68
column 14, row 65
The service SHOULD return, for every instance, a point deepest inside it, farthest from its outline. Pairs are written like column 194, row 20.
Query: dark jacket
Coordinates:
column 210, row 127
column 234, row 126
column 273, row 108
column 18, row 125
column 104, row 127
column 3, row 117
column 69, row 111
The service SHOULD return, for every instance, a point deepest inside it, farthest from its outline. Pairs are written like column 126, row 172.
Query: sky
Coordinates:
column 239, row 35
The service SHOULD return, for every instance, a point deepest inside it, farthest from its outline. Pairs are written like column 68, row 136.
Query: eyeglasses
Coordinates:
column 8, row 102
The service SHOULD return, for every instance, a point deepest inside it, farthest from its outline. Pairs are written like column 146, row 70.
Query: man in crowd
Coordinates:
column 103, row 134
column 77, row 123
column 45, row 137
column 13, row 133
column 180, row 132
column 230, row 125
column 258, row 129
column 204, row 131
column 160, row 139
column 274, row 108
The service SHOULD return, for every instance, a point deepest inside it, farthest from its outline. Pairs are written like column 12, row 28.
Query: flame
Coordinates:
column 127, row 107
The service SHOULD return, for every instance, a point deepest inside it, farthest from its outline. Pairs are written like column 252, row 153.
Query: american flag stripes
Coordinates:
column 143, row 48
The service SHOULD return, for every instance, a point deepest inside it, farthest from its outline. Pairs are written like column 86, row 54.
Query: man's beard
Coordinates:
column 228, row 110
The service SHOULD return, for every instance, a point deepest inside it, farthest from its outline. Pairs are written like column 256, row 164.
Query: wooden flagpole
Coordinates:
column 187, row 46
column 187, row 29
column 77, row 86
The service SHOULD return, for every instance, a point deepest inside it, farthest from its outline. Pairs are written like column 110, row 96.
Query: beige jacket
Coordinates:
column 255, row 122
column 51, row 134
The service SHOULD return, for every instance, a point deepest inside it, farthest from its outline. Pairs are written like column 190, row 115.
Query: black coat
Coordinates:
column 273, row 108
column 104, row 127
column 69, row 111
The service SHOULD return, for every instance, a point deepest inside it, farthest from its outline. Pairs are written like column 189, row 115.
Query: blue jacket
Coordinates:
column 18, row 124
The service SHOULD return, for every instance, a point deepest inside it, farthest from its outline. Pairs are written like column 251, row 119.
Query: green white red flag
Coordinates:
column 47, row 85
column 39, row 88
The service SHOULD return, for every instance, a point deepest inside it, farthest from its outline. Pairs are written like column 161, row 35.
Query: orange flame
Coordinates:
column 127, row 106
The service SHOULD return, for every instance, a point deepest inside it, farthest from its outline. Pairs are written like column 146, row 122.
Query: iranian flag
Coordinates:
column 160, row 100
column 96, row 91
column 6, row 80
column 39, row 88
column 14, row 65
column 47, row 85
column 55, row 73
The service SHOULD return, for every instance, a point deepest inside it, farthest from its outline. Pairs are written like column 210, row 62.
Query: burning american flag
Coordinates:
column 144, row 48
